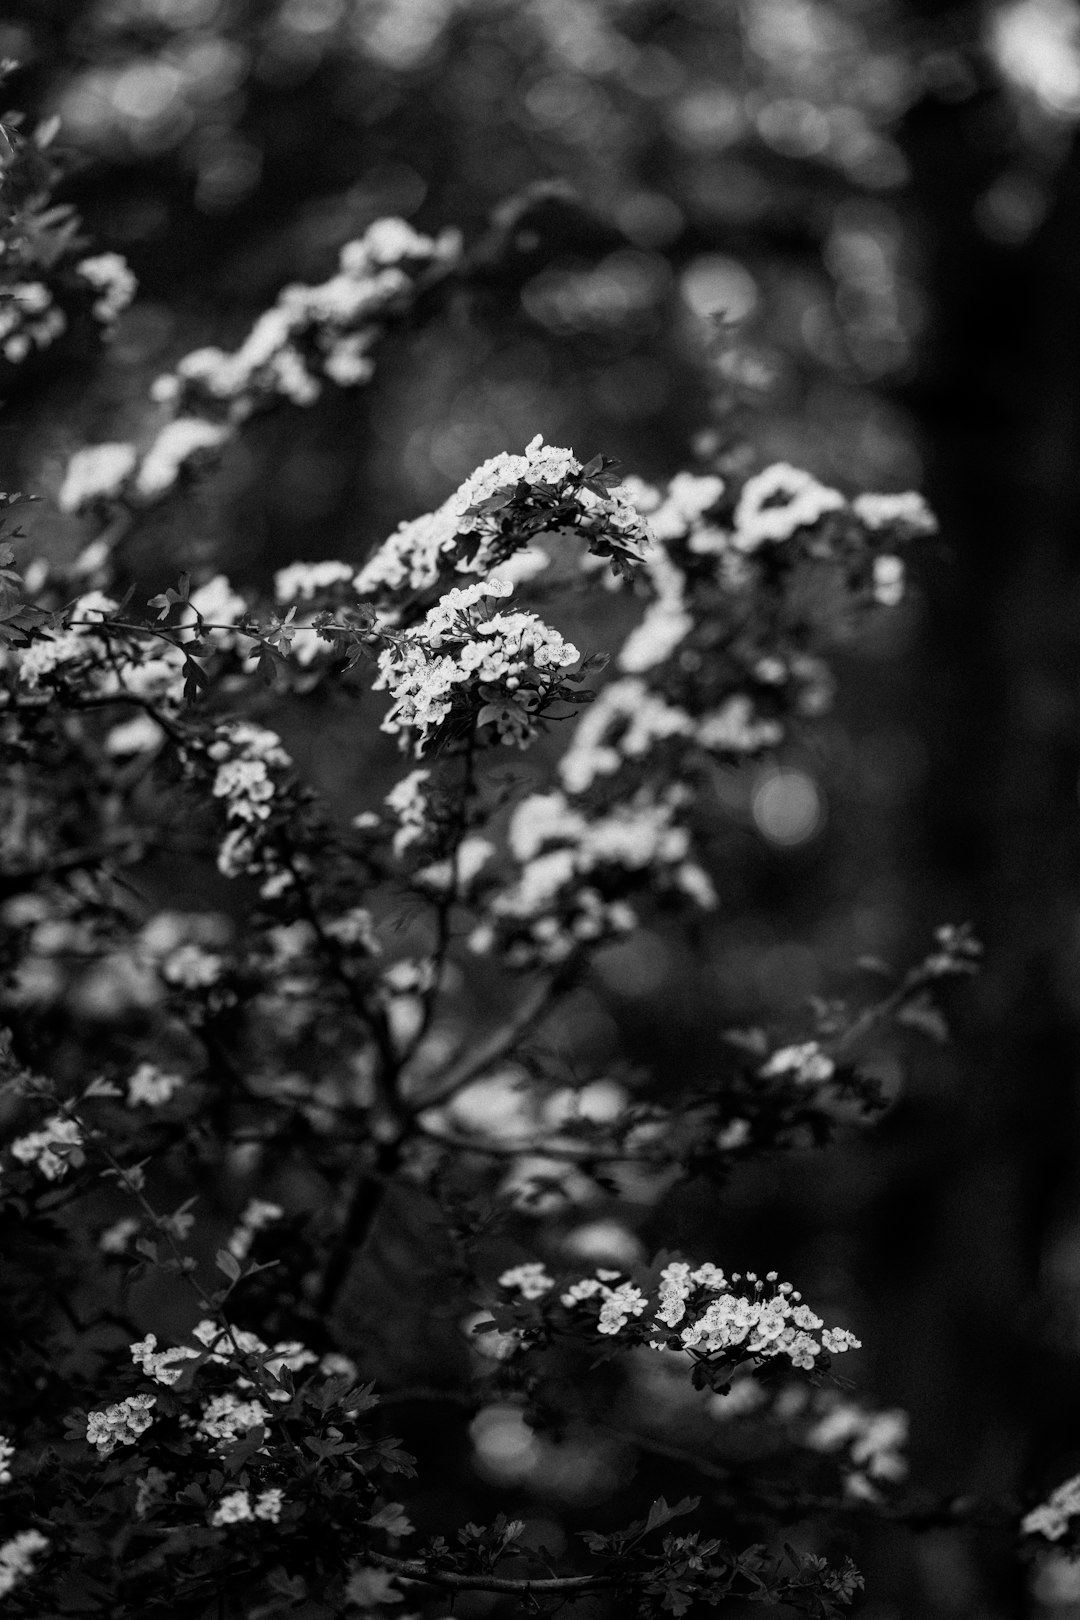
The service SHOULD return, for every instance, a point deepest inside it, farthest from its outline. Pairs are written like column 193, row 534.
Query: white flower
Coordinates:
column 232, row 1509
column 151, row 1087
column 531, row 1281
column 778, row 501
column 160, row 1364
column 226, row 1418
column 908, row 512
column 178, row 443
column 97, row 473
column 7, row 1451
column 301, row 581
column 257, row 1214
column 121, row 1424
column 17, row 1558
column 1051, row 1518
column 115, row 1238
column 806, row 1064
column 888, row 581
column 110, row 275
column 53, row 1148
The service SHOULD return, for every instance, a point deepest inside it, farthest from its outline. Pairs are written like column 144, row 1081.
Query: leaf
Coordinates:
column 229, row 1264
column 660, row 1513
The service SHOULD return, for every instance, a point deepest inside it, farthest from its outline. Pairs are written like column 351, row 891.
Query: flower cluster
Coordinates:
column 53, row 1149
column 1051, row 1518
column 245, row 755
column 239, row 1506
column 120, row 1424
column 495, row 514
column 501, row 668
column 113, row 283
column 17, row 1558
column 311, row 335
column 706, row 1313
column 151, row 1086
column 805, row 1064
column 30, row 319
column 576, row 868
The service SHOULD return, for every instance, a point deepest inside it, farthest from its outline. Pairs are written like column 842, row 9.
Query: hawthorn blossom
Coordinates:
column 740, row 1317
column 227, row 1417
column 258, row 1213
column 7, row 1451
column 239, row 1506
column 1051, row 1518
column 300, row 582
column 53, row 1149
column 531, row 1281
column 778, row 501
column 176, row 446
column 161, row 1365
column 806, row 1064
column 120, row 1424
column 98, row 473
column 114, row 282
column 17, row 1558
column 457, row 655
column 150, row 1086
column 60, row 648
column 29, row 319
column 431, row 547
column 908, row 512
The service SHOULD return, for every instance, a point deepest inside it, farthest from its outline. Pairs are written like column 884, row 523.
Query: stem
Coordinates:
column 413, row 1570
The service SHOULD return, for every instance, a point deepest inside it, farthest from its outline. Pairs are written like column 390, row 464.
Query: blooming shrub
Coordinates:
column 191, row 1427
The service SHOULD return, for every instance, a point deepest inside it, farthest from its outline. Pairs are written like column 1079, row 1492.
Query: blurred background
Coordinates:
column 844, row 233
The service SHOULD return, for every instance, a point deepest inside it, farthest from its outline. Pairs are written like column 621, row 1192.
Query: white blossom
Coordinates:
column 53, row 1148
column 121, row 1424
column 178, row 443
column 17, row 1558
column 114, row 282
column 778, row 501
column 1051, row 1518
column 7, row 1451
column 531, row 1281
column 151, row 1086
column 163, row 1366
column 97, row 473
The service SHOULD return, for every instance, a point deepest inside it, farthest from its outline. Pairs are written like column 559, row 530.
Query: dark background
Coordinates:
column 885, row 198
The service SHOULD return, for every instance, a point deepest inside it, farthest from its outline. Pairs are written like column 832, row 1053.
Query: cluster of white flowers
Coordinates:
column 97, row 473
column 257, row 1214
column 29, row 319
column 7, row 1451
column 874, row 1441
column 772, row 1321
column 752, row 1316
column 150, row 1086
column 1051, row 1518
column 316, row 331
column 53, row 1148
column 408, row 804
column 530, row 1280
column 163, row 1366
column 777, row 501
column 112, row 280
column 121, row 1424
column 806, row 1064
column 429, row 548
column 61, row 649
column 245, row 755
column 552, row 906
column 629, row 719
column 228, row 1417
column 239, row 1506
column 457, row 651
column 116, row 1237
column 300, row 582
column 17, row 1558
column 617, row 1305
column 179, row 444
